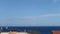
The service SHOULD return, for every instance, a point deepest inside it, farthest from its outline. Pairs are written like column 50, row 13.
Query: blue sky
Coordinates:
column 29, row 12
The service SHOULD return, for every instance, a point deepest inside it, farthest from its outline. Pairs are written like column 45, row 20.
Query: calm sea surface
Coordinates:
column 42, row 29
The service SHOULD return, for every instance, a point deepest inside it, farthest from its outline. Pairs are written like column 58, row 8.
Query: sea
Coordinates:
column 42, row 29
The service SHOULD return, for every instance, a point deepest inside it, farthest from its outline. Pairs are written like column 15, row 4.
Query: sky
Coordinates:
column 29, row 12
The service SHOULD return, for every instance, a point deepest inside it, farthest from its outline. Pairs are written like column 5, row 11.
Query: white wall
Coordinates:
column 22, row 33
column 17, row 33
column 4, row 32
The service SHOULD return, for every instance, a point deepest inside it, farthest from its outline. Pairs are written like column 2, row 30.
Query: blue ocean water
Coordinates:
column 42, row 29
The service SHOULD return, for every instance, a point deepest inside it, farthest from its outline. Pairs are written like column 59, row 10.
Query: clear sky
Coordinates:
column 30, row 12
